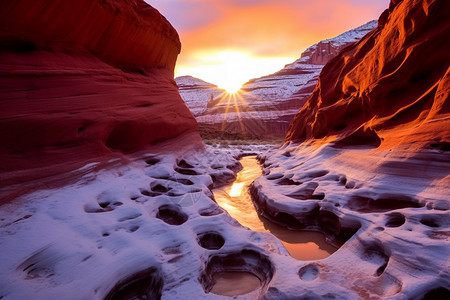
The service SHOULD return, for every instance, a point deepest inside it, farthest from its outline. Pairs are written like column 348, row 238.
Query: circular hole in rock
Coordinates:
column 429, row 221
column 146, row 284
column 171, row 215
column 308, row 273
column 159, row 188
column 234, row 283
column 186, row 171
column 395, row 220
column 210, row 211
column 183, row 164
column 152, row 161
column 236, row 273
column 104, row 204
column 211, row 241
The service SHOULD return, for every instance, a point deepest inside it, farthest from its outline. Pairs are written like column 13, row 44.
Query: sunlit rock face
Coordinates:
column 324, row 51
column 83, row 81
column 396, row 75
column 264, row 106
column 373, row 164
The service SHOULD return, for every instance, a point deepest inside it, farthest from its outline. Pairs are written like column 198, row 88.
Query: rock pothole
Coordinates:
column 375, row 253
column 146, row 284
column 183, row 164
column 186, row 171
column 383, row 203
column 252, row 267
column 171, row 214
column 430, row 221
column 211, row 240
column 395, row 220
column 309, row 272
column 151, row 161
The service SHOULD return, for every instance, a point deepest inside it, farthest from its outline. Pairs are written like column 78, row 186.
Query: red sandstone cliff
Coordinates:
column 392, row 83
column 84, row 81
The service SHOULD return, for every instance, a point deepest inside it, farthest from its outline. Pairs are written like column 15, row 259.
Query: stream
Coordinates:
column 236, row 200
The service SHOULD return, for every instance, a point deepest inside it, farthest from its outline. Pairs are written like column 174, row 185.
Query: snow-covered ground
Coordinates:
column 390, row 207
column 282, row 85
column 152, row 228
column 141, row 222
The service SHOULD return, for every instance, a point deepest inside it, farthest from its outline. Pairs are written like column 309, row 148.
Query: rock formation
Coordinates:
column 396, row 75
column 81, row 82
column 372, row 168
column 150, row 228
column 324, row 51
column 264, row 106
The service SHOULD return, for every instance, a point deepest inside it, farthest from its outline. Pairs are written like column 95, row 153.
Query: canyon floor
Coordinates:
column 108, row 191
column 152, row 228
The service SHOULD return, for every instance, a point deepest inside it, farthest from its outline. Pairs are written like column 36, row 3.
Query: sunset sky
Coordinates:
column 228, row 42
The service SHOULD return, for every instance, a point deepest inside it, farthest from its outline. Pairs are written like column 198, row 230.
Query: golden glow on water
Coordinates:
column 235, row 199
column 234, row 283
column 236, row 189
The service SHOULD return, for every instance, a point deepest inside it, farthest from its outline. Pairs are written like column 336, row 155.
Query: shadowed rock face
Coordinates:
column 397, row 74
column 82, row 80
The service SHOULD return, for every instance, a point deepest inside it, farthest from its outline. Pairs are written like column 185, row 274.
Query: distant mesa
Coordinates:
column 264, row 106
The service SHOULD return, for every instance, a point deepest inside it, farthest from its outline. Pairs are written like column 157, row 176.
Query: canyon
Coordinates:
column 69, row 95
column 108, row 192
column 264, row 106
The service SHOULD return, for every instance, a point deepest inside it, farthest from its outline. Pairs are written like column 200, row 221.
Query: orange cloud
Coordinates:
column 266, row 29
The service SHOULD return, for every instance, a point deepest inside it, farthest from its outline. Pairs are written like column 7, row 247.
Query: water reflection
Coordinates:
column 234, row 283
column 302, row 245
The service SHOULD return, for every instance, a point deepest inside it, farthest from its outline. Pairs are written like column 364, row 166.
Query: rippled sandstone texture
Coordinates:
column 83, row 81
column 396, row 75
column 373, row 166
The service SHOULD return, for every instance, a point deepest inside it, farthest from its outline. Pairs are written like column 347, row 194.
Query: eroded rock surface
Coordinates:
column 393, row 224
column 397, row 74
column 373, row 168
column 143, row 230
column 83, row 82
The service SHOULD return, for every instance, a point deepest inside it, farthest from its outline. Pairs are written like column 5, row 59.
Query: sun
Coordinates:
column 231, row 69
column 231, row 86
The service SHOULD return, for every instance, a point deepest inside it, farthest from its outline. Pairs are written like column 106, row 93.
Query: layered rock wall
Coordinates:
column 128, row 34
column 322, row 52
column 83, row 82
column 396, row 75
column 264, row 107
